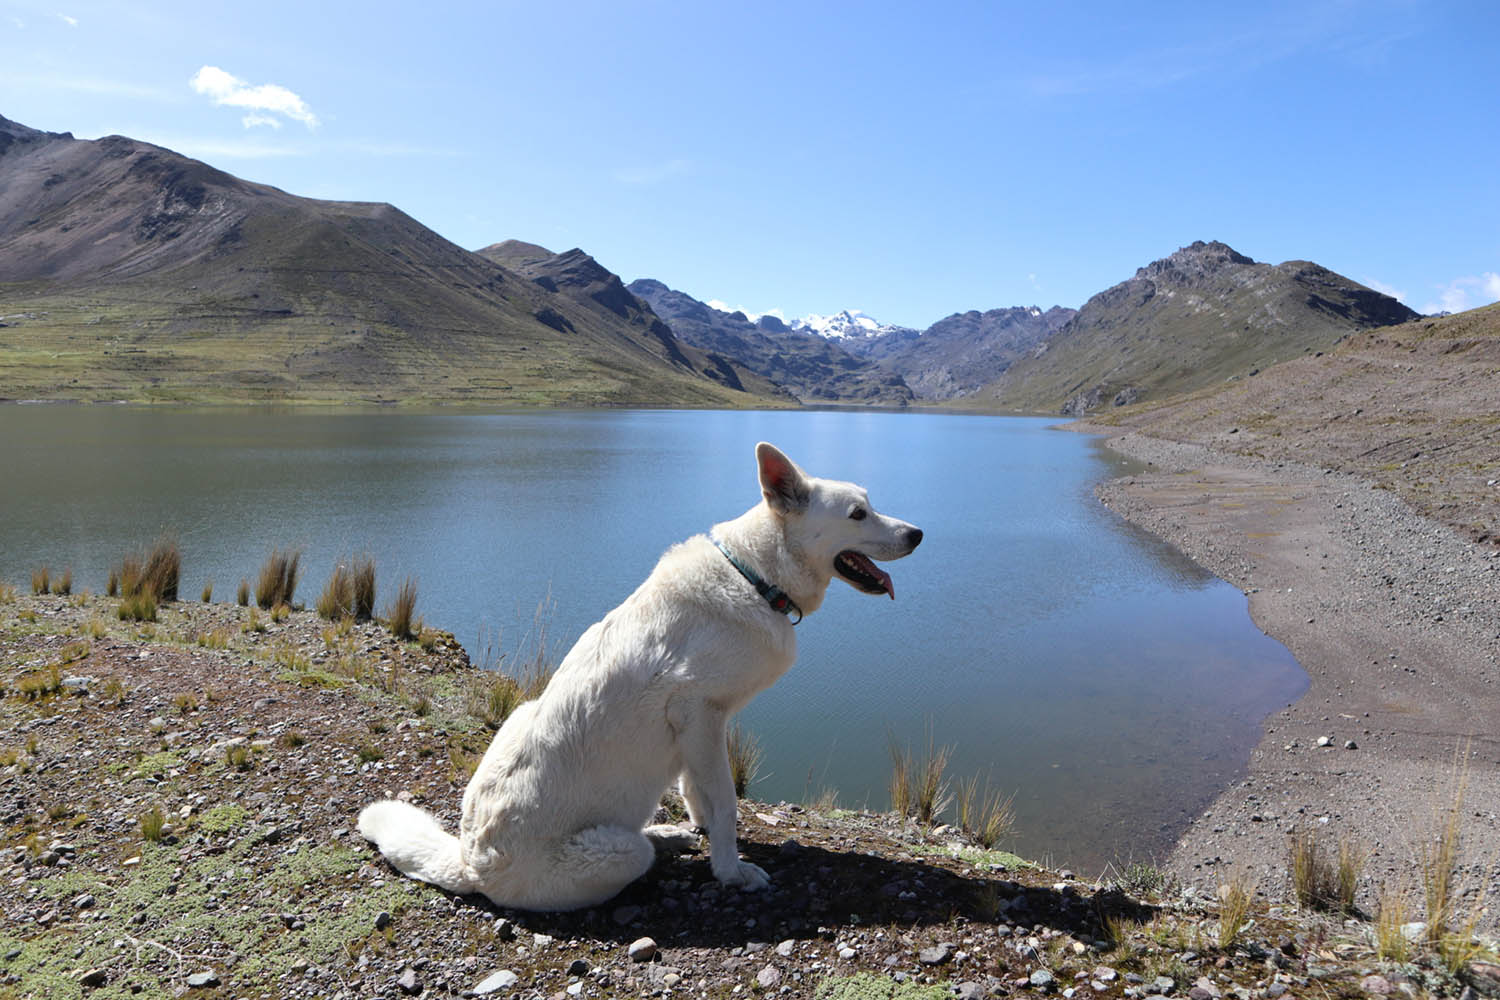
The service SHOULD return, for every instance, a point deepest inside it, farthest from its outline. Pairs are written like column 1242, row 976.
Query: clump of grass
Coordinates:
column 292, row 739
column 207, row 596
column 253, row 623
column 112, row 692
column 163, row 569
column 214, row 639
column 185, row 703
column 242, row 593
column 985, row 814
column 1438, row 855
column 1319, row 883
column 237, row 756
column 368, row 752
column 40, row 683
column 281, row 613
column 7, row 593
column 137, row 607
column 153, row 824
column 918, row 789
column 364, row 588
column 337, row 600
column 63, row 585
column 1234, row 909
column 112, row 584
column 1143, row 880
column 399, row 614
column 745, row 756
column 492, row 697
column 1391, row 944
column 41, row 580
column 277, row 582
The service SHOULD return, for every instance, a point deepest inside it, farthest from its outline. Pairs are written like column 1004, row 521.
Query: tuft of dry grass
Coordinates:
column 1234, row 909
column 1321, row 883
column 242, row 593
column 918, row 789
column 208, row 593
column 399, row 615
column 277, row 582
column 1437, row 856
column 336, row 602
column 1390, row 941
column 745, row 756
column 163, row 569
column 139, row 606
column 7, row 593
column 153, row 824
column 985, row 814
column 63, row 585
column 364, row 588
column 41, row 580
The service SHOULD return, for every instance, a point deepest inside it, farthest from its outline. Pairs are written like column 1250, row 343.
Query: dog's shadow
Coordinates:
column 816, row 892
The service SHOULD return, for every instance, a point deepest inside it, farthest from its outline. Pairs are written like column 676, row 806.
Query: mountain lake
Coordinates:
column 1064, row 656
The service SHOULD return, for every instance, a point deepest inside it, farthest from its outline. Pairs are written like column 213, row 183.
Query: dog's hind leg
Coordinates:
column 585, row 869
column 673, row 839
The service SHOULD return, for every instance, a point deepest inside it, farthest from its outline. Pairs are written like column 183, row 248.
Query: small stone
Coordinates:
column 502, row 980
column 1379, row 985
column 1042, row 980
column 94, row 978
column 847, row 953
column 642, row 950
column 84, row 902
column 202, row 980
column 936, row 955
column 1164, row 984
column 1105, row 974
column 578, row 967
column 408, row 983
column 785, row 948
column 1325, row 741
column 540, row 941
column 768, row 977
column 382, row 920
column 505, row 929
column 574, row 989
column 1199, row 993
column 1350, row 745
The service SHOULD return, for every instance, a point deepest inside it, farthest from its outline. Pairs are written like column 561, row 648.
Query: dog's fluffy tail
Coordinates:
column 413, row 841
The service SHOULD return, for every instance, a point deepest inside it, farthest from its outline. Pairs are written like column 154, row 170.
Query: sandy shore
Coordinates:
column 1394, row 618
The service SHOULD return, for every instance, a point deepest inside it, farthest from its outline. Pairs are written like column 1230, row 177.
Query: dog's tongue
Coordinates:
column 885, row 579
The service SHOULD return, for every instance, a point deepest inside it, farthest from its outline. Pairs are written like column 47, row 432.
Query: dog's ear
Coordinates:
column 784, row 486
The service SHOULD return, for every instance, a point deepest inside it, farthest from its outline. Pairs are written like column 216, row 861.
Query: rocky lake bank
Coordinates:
column 178, row 800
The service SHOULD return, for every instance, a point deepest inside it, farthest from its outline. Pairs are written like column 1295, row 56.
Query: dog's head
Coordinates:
column 831, row 526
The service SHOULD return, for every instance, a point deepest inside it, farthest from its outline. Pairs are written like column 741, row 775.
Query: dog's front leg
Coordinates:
column 708, row 787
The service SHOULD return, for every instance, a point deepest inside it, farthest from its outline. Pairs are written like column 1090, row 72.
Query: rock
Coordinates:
column 1325, row 741
column 847, row 953
column 936, row 955
column 768, row 977
column 785, row 948
column 540, row 941
column 1378, row 985
column 496, row 981
column 94, row 978
column 1164, row 984
column 202, row 980
column 642, row 949
column 578, row 967
column 1350, row 745
column 1105, row 974
column 83, row 902
column 1042, row 980
column 1484, row 977
column 505, row 929
column 1210, row 990
column 408, row 982
column 382, row 920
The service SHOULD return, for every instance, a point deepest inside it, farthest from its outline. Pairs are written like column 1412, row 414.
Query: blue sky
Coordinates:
column 908, row 160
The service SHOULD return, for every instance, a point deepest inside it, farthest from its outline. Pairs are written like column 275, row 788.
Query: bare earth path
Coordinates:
column 1394, row 617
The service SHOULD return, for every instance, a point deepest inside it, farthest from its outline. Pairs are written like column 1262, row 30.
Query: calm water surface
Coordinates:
column 1095, row 673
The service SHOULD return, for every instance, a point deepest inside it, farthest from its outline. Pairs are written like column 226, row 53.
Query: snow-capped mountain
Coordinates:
column 845, row 324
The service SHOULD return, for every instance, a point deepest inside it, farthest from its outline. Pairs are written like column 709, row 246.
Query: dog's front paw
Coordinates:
column 745, row 876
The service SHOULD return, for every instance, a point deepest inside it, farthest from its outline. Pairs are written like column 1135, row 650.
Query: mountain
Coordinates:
column 130, row 271
column 1201, row 316
column 961, row 353
column 814, row 368
column 850, row 325
column 577, row 276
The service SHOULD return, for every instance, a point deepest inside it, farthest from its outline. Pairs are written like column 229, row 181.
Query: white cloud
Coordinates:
column 1466, row 293
column 71, row 22
column 265, row 99
column 255, row 118
column 725, row 307
column 1384, row 289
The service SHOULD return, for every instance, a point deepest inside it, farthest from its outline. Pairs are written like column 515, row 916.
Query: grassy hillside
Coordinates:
column 130, row 272
column 1195, row 319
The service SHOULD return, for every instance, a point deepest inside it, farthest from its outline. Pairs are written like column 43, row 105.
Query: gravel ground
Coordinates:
column 253, row 743
column 1394, row 617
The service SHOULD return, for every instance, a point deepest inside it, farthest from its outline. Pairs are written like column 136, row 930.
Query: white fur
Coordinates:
column 556, row 815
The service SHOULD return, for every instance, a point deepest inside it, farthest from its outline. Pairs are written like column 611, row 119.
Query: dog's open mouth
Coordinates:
column 864, row 574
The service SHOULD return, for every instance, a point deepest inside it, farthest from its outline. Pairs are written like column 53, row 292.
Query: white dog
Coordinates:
column 555, row 815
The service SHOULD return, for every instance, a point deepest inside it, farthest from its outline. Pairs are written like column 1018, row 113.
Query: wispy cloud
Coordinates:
column 725, row 307
column 1384, row 289
column 261, row 100
column 71, row 22
column 1466, row 293
column 255, row 118
column 652, row 173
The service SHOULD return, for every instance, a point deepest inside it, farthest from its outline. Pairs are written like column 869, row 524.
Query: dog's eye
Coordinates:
column 857, row 514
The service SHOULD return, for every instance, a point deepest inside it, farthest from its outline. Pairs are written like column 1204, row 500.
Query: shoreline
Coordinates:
column 1391, row 615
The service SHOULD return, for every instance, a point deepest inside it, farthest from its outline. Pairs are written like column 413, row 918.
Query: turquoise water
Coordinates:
column 1098, row 675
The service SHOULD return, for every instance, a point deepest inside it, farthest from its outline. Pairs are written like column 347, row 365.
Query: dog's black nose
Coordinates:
column 914, row 537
